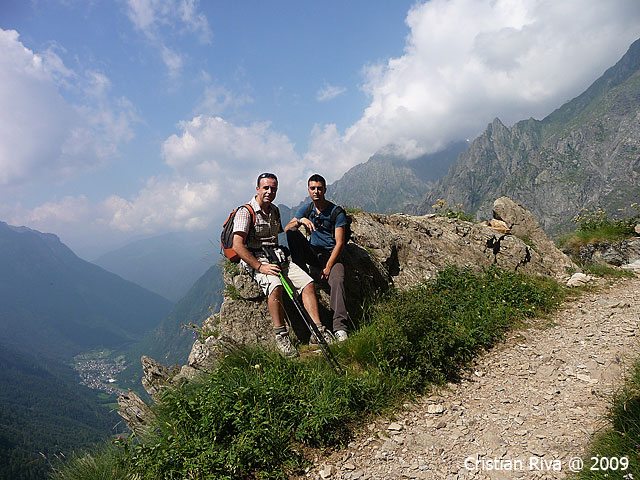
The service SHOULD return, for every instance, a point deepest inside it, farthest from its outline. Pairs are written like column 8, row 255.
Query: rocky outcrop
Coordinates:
column 137, row 415
column 386, row 251
column 524, row 226
column 617, row 253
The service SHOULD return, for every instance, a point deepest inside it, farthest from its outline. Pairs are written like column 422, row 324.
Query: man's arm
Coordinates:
column 335, row 253
column 295, row 224
column 244, row 253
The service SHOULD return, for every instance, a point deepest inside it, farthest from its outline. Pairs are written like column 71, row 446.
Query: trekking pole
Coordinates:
column 311, row 325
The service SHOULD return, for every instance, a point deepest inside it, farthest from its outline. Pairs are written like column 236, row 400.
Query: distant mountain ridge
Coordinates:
column 584, row 154
column 388, row 182
column 167, row 264
column 56, row 304
column 53, row 306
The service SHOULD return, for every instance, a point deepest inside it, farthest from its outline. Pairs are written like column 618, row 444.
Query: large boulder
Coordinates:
column 524, row 226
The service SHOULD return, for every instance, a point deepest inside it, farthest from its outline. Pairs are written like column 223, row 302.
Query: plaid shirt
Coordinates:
column 267, row 226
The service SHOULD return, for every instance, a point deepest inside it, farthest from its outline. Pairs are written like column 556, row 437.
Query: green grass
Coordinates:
column 622, row 440
column 104, row 463
column 254, row 416
column 604, row 270
column 595, row 228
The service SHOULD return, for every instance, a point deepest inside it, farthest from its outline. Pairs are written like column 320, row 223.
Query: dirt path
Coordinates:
column 526, row 409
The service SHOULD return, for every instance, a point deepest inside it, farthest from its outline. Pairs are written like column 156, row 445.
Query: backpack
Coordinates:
column 226, row 237
column 334, row 214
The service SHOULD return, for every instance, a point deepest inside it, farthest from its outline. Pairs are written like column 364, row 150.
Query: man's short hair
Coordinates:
column 317, row 178
column 266, row 175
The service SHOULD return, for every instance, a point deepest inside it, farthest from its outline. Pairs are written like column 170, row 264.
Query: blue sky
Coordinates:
column 137, row 117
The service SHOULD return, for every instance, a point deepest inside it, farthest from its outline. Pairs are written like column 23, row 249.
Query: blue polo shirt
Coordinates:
column 323, row 236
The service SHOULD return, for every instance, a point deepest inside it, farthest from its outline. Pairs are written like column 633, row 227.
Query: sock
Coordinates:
column 280, row 330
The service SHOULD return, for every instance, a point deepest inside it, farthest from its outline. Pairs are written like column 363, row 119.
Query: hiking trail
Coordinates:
column 530, row 406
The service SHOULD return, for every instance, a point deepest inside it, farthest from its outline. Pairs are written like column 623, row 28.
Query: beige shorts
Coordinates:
column 295, row 276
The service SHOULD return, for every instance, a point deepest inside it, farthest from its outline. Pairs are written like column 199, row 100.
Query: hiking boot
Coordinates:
column 326, row 334
column 283, row 342
column 341, row 335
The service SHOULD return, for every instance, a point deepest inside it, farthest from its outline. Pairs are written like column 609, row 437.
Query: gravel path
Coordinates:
column 526, row 409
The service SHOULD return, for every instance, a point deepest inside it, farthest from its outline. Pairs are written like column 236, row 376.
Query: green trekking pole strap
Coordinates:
column 286, row 286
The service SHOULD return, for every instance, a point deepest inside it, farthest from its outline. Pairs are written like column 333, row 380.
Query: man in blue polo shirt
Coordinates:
column 321, row 256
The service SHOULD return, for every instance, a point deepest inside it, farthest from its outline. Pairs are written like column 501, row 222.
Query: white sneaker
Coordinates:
column 283, row 342
column 326, row 334
column 341, row 335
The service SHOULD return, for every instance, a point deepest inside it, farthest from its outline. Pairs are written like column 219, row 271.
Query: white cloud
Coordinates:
column 149, row 16
column 165, row 204
column 41, row 133
column 329, row 92
column 69, row 209
column 466, row 62
column 211, row 146
column 217, row 99
column 215, row 164
column 158, row 19
column 172, row 60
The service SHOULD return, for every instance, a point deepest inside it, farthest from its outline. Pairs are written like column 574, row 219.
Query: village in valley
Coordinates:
column 97, row 370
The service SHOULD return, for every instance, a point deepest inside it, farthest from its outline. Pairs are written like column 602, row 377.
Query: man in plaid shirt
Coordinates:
column 248, row 243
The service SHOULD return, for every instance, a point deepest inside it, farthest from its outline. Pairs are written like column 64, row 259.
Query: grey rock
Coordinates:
column 616, row 253
column 156, row 377
column 524, row 226
column 578, row 280
column 135, row 412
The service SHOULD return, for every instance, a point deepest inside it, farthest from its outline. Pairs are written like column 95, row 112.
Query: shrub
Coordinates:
column 442, row 209
column 596, row 225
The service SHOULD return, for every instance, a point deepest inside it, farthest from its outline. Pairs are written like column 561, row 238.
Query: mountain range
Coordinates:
column 55, row 306
column 584, row 154
column 388, row 182
column 167, row 264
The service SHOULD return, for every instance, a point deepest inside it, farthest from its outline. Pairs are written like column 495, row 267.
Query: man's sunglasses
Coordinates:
column 266, row 175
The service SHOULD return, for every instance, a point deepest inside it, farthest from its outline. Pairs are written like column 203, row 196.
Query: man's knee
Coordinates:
column 276, row 293
column 309, row 287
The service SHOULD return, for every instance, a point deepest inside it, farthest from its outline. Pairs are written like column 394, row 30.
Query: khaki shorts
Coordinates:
column 295, row 276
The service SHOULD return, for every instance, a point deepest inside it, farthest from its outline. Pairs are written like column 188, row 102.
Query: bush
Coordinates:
column 442, row 209
column 428, row 333
column 595, row 225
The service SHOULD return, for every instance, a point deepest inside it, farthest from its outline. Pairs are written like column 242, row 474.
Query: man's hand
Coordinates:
column 269, row 269
column 308, row 224
column 325, row 273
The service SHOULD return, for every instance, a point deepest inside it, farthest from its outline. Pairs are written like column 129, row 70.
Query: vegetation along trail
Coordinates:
column 527, row 409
